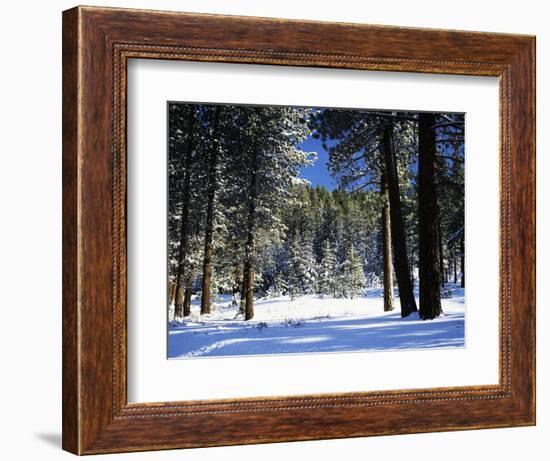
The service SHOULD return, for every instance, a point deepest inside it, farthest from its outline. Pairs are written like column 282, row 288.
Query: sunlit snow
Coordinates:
column 315, row 324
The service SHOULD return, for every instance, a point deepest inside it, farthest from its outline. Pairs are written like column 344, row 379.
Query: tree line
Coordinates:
column 242, row 221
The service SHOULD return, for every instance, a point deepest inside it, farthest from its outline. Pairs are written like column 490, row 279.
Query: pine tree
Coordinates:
column 185, row 143
column 302, row 273
column 352, row 277
column 280, row 287
column 212, row 187
column 270, row 143
column 449, row 182
column 295, row 270
column 429, row 231
column 327, row 270
column 365, row 149
column 402, row 268
column 310, row 276
column 181, row 143
column 386, row 245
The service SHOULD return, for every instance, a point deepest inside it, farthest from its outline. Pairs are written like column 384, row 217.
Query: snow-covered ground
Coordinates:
column 314, row 324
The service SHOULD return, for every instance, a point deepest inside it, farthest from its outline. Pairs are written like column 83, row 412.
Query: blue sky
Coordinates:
column 317, row 173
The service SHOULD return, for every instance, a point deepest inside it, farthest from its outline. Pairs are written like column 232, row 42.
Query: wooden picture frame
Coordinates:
column 97, row 43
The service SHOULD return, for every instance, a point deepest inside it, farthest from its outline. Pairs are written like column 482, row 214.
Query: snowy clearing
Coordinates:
column 315, row 324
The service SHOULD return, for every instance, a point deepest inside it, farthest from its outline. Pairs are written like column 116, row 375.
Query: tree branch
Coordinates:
column 363, row 186
column 442, row 124
column 460, row 139
column 450, row 158
column 449, row 183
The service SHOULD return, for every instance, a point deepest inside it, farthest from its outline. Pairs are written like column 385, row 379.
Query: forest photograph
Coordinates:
column 313, row 230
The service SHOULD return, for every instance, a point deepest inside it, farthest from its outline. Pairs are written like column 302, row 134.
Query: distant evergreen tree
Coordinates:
column 327, row 271
column 311, row 270
column 302, row 273
column 296, row 269
column 352, row 277
column 280, row 287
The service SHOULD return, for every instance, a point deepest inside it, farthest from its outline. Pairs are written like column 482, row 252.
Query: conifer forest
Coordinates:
column 306, row 229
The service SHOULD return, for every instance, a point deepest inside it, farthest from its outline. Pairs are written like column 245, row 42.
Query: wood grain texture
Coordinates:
column 70, row 384
column 97, row 42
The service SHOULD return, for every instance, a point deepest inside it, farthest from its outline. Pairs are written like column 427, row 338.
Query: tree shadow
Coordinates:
column 350, row 334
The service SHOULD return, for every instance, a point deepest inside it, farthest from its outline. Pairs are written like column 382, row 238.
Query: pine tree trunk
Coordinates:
column 462, row 276
column 180, row 290
column 249, row 293
column 386, row 244
column 406, row 296
column 188, row 291
column 455, row 275
column 184, row 237
column 243, row 291
column 236, row 288
column 206, row 295
column 250, row 249
column 411, row 269
column 442, row 270
column 429, row 232
column 171, row 292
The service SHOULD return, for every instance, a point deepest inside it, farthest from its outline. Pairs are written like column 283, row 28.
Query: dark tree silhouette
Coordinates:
column 206, row 297
column 184, row 232
column 406, row 295
column 428, row 218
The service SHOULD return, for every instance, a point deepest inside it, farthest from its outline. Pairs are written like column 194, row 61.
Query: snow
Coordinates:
column 315, row 324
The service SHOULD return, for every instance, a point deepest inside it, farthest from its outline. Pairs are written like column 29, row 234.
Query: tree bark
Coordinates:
column 180, row 290
column 171, row 292
column 442, row 269
column 242, row 302
column 249, row 281
column 455, row 275
column 188, row 291
column 206, row 295
column 250, row 249
column 428, row 216
column 184, row 233
column 462, row 276
column 386, row 244
column 406, row 296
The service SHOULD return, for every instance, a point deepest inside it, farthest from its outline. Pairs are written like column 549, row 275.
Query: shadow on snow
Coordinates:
column 387, row 331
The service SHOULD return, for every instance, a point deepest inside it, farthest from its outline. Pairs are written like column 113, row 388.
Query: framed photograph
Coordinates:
column 282, row 230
